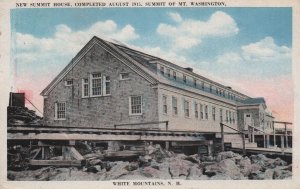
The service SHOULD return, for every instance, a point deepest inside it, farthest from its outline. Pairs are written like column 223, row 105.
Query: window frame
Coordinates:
column 221, row 115
column 196, row 110
column 162, row 70
column 121, row 76
column 165, row 104
column 186, row 113
column 56, row 111
column 213, row 113
column 105, row 82
column 174, row 75
column 83, row 83
column 168, row 71
column 206, row 112
column 130, row 105
column 91, row 84
column 174, row 108
column 66, row 82
column 184, row 78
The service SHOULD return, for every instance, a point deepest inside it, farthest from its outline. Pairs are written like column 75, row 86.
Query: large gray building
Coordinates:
column 108, row 84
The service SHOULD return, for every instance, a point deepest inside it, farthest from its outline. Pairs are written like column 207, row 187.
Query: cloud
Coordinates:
column 229, row 58
column 265, row 50
column 187, row 33
column 175, row 16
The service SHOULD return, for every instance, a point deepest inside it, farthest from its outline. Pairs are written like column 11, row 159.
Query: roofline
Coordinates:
column 144, row 72
column 184, row 70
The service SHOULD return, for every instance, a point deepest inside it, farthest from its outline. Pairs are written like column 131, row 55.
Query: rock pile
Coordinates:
column 161, row 164
column 21, row 115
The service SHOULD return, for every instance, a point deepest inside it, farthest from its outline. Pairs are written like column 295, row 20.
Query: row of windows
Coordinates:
column 204, row 110
column 135, row 107
column 218, row 91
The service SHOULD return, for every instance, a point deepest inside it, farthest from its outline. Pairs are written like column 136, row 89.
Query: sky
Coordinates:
column 248, row 49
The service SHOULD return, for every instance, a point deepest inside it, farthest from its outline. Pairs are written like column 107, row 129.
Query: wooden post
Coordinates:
column 268, row 141
column 265, row 141
column 167, row 145
column 244, row 145
column 286, row 136
column 253, row 139
column 282, row 141
column 274, row 137
column 222, row 137
column 43, row 152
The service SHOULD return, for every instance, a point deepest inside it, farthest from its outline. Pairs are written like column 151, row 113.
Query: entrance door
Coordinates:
column 247, row 120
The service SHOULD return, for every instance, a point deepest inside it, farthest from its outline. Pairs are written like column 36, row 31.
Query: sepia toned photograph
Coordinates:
column 148, row 94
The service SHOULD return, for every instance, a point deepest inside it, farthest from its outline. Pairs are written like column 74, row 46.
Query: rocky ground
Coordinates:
column 162, row 164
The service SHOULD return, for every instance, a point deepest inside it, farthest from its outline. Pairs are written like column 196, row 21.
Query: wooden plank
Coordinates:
column 37, row 152
column 76, row 163
column 76, row 154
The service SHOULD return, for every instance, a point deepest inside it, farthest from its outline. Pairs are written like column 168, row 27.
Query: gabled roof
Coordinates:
column 111, row 48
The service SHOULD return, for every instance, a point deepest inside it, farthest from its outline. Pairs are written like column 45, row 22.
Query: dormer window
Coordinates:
column 162, row 70
column 168, row 72
column 184, row 78
column 174, row 75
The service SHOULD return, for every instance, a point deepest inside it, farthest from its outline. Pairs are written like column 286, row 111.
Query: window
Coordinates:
column 69, row 82
column 85, row 87
column 233, row 117
column 230, row 117
column 169, row 72
column 174, row 75
column 201, row 112
column 203, row 85
column 221, row 115
column 107, row 85
column 135, row 105
column 206, row 112
column 165, row 106
column 184, row 78
column 196, row 111
column 210, row 88
column 195, row 82
column 60, row 111
column 124, row 76
column 96, row 84
column 174, row 105
column 214, row 113
column 186, row 108
column 227, row 116
column 217, row 91
column 162, row 70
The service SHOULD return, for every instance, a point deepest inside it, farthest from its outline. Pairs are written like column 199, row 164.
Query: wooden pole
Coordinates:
column 222, row 137
column 253, row 135
column 274, row 137
column 244, row 145
column 286, row 136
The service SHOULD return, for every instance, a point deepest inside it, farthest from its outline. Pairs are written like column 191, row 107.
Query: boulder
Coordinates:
column 150, row 172
column 193, row 158
column 132, row 166
column 282, row 174
column 195, row 173
column 226, row 167
column 179, row 167
column 117, row 170
column 228, row 155
column 268, row 175
column 245, row 166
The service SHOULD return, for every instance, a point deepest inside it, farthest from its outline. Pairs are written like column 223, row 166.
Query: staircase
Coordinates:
column 236, row 141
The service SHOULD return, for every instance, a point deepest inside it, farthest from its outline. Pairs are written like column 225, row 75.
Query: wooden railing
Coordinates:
column 239, row 132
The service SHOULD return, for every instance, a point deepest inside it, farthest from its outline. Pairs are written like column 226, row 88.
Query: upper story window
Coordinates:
column 230, row 119
column 201, row 112
column 107, row 85
column 210, row 88
column 184, row 78
column 85, row 87
column 124, row 76
column 174, row 75
column 162, row 70
column 221, row 115
column 96, row 84
column 186, row 108
column 174, row 105
column 195, row 82
column 206, row 112
column 202, row 85
column 233, row 117
column 165, row 106
column 135, row 103
column 213, row 113
column 168, row 72
column 227, row 119
column 69, row 82
column 60, row 111
column 196, row 111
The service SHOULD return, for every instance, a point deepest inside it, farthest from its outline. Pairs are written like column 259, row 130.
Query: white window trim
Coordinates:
column 185, row 100
column 91, row 85
column 173, row 112
column 66, row 83
column 165, row 96
column 125, row 78
column 82, row 88
column 135, row 114
column 55, row 111
column 104, row 86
